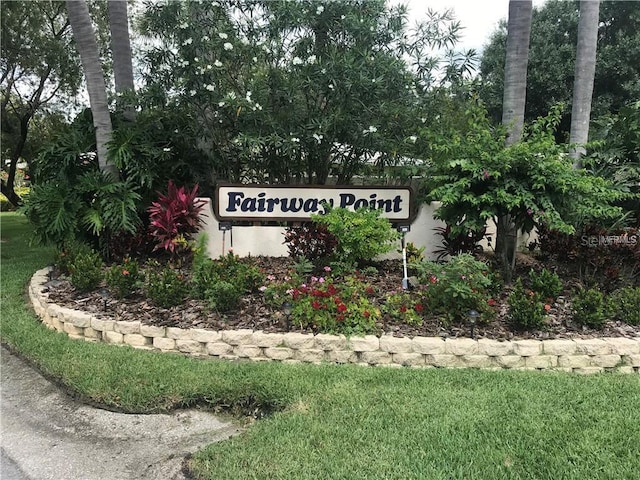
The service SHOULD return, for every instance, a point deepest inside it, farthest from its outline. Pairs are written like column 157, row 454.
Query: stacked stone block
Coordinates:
column 571, row 355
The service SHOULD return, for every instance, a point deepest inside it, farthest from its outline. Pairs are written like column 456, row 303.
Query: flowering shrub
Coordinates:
column 175, row 217
column 324, row 305
column 526, row 311
column 456, row 287
column 405, row 307
column 124, row 278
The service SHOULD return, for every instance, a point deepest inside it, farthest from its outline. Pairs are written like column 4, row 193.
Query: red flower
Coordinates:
column 366, row 314
column 547, row 307
column 315, row 304
column 491, row 302
column 342, row 308
column 418, row 307
column 403, row 309
column 370, row 290
column 340, row 317
column 332, row 290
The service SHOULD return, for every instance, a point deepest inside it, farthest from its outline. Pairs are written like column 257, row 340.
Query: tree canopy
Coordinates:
column 552, row 59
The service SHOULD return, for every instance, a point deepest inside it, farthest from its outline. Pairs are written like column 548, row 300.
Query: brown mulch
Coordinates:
column 254, row 314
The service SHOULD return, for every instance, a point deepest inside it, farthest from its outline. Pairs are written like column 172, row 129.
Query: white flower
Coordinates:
column 324, row 70
column 184, row 63
column 209, row 67
column 223, row 35
column 331, row 86
column 210, row 87
column 297, row 61
column 255, row 59
column 228, row 46
column 206, row 38
column 167, row 149
column 373, row 80
column 424, row 120
column 413, row 139
column 371, row 29
column 248, row 96
column 371, row 129
column 231, row 95
column 295, row 140
column 318, row 138
column 175, row 131
column 311, row 59
column 221, row 104
column 192, row 93
column 244, row 41
column 183, row 25
column 188, row 41
column 319, row 10
column 342, row 17
column 266, row 49
column 217, row 63
column 258, row 106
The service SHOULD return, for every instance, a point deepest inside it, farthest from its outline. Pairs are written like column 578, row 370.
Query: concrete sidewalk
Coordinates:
column 44, row 434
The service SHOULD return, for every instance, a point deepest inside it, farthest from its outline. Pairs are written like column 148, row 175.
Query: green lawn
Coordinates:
column 347, row 422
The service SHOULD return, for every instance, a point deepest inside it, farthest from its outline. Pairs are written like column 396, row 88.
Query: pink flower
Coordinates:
column 486, row 175
column 125, row 272
column 327, row 268
column 262, row 288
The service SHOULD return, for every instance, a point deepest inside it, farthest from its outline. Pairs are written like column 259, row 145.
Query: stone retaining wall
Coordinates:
column 571, row 355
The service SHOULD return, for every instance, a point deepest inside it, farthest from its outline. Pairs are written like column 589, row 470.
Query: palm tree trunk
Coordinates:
column 515, row 68
column 513, row 105
column 87, row 46
column 584, row 76
column 121, row 50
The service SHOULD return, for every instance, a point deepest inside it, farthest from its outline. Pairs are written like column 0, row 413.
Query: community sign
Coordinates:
column 299, row 202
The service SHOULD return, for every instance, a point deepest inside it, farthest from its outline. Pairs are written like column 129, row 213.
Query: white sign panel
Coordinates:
column 298, row 203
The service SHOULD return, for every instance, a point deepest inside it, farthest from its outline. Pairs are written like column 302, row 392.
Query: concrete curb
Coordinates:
column 570, row 355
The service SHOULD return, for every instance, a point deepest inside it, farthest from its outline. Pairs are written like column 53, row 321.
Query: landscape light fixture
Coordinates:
column 405, row 278
column 104, row 293
column 473, row 319
column 286, row 309
column 224, row 227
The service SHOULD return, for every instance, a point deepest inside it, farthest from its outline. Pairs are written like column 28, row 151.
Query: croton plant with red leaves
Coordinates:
column 175, row 217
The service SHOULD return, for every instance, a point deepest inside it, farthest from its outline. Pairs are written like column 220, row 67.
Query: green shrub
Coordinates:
column 589, row 307
column 222, row 296
column 526, row 311
column 205, row 272
column 167, row 287
column 456, row 287
column 362, row 235
column 86, row 271
column 626, row 305
column 545, row 283
column 68, row 252
column 123, row 279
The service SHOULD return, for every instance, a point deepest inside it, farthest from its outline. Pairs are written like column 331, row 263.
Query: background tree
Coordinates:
column 276, row 91
column 554, row 34
column 585, row 69
column 39, row 71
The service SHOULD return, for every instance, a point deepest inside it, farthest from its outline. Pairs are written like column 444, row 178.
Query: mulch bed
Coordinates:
column 254, row 314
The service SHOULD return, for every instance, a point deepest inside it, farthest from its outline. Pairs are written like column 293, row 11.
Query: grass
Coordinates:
column 346, row 422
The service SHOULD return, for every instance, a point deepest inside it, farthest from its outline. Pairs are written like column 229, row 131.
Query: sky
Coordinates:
column 479, row 17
